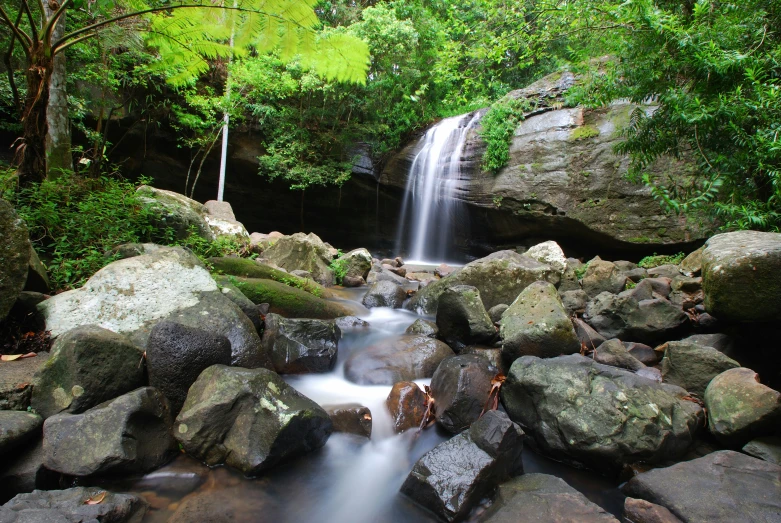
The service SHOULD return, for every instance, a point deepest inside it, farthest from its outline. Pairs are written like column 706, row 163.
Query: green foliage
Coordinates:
column 498, row 126
column 649, row 262
column 222, row 246
column 339, row 267
column 581, row 271
column 584, row 132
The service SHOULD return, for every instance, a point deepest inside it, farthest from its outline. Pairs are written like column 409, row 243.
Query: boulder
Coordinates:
column 740, row 276
column 23, row 471
column 452, row 478
column 17, row 379
column 87, row 366
column 222, row 221
column 352, row 281
column 602, row 417
column 462, row 318
column 499, row 277
column 664, row 271
column 249, row 419
column 740, row 408
column 603, row 276
column 246, row 268
column 130, row 296
column 176, row 355
column 625, row 317
column 541, row 498
column 301, row 346
column 351, row 418
column 303, row 252
column 37, row 278
column 587, row 336
column 721, row 486
column 405, row 358
column 642, row 511
column 460, row 387
column 767, row 448
column 495, row 312
column 287, row 301
column 379, row 273
column 643, row 353
column 226, row 500
column 357, row 263
column 536, row 324
column 692, row 264
column 574, row 301
column 350, row 323
column 177, row 212
column 613, row 353
column 15, row 252
column 692, row 366
column 549, row 253
column 128, row 435
column 723, row 343
column 249, row 309
column 492, row 355
column 73, row 506
column 423, row 328
column 17, row 428
column 407, row 405
column 384, row 294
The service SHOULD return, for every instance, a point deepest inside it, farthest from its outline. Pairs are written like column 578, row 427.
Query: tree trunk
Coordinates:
column 31, row 152
column 58, row 136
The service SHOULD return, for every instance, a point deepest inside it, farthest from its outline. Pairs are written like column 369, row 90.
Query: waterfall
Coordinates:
column 432, row 204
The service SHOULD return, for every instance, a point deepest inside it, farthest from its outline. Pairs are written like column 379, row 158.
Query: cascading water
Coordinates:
column 432, row 204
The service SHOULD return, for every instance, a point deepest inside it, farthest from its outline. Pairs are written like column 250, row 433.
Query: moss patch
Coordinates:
column 584, row 132
column 250, row 269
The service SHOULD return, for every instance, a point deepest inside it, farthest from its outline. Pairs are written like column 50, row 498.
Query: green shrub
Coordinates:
column 339, row 267
column 222, row 246
column 497, row 128
column 649, row 262
column 581, row 271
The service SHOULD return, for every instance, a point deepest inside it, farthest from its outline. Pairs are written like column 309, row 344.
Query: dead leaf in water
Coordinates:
column 97, row 499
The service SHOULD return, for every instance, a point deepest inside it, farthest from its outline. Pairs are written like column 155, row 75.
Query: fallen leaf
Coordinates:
column 96, row 499
column 28, row 355
column 10, row 357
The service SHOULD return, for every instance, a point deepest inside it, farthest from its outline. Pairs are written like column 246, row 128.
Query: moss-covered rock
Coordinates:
column 176, row 211
column 14, row 256
column 305, row 252
column 252, row 269
column 692, row 366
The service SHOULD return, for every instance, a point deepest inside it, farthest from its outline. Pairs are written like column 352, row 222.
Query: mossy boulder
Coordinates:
column 357, row 262
column 246, row 268
column 174, row 210
column 287, row 301
column 462, row 318
column 305, row 252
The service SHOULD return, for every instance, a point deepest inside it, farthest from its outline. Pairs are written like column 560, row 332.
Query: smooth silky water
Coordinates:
column 351, row 479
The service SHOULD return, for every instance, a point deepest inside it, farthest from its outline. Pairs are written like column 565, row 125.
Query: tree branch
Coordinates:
column 20, row 34
column 33, row 29
column 9, row 69
column 48, row 29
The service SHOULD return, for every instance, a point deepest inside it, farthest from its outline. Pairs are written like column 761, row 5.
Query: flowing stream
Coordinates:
column 432, row 206
column 350, row 480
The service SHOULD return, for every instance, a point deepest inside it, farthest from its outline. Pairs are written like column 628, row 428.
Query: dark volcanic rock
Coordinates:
column 462, row 318
column 300, row 346
column 452, row 477
column 384, row 294
column 70, row 506
column 351, row 418
column 405, row 358
column 722, row 486
column 23, row 471
column 423, row 327
column 17, row 428
column 460, row 388
column 407, row 405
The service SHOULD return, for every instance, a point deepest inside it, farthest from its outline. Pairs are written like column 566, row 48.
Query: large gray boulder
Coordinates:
column 301, row 251
column 249, row 419
column 15, row 252
column 693, row 366
column 300, row 346
column 536, row 324
column 549, row 253
column 499, row 277
column 87, row 366
column 357, row 263
column 462, row 318
column 384, row 294
column 130, row 296
column 405, row 358
column 23, row 471
column 603, row 276
column 128, row 435
column 176, row 211
column 614, row 353
column 452, row 477
column 73, row 506
column 741, row 276
column 460, row 387
column 541, row 498
column 578, row 410
column 740, row 408
column 17, row 428
column 176, row 355
column 723, row 486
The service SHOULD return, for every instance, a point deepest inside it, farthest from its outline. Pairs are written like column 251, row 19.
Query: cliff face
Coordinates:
column 563, row 181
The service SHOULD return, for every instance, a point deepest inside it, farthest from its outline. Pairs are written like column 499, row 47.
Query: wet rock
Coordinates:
column 390, row 262
column 70, row 506
column 249, row 419
column 692, row 367
column 130, row 296
column 495, row 312
column 740, row 276
column 249, row 309
column 692, row 264
column 740, row 408
column 643, row 353
column 17, row 428
column 15, row 252
column 490, row 354
column 462, row 319
column 287, row 301
column 586, row 335
column 537, row 324
column 245, row 268
column 384, row 294
column 499, row 277
column 622, row 316
column 176, row 355
column 452, row 477
column 603, row 417
column 613, row 353
column 352, row 281
column 722, row 486
column 23, row 471
column 87, row 366
column 642, row 511
column 767, row 449
column 460, row 388
column 574, row 301
column 17, row 379
column 398, row 271
column 351, row 418
column 378, row 273
column 664, row 271
column 127, row 435
column 549, row 253
column 443, row 270
column 405, row 358
column 423, row 328
column 350, row 323
column 229, row 504
column 300, row 346
column 541, row 498
column 603, row 276
column 407, row 405
column 176, row 211
column 301, row 251
column 423, row 277
column 357, row 262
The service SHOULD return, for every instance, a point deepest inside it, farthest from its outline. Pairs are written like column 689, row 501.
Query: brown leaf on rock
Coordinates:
column 97, row 499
